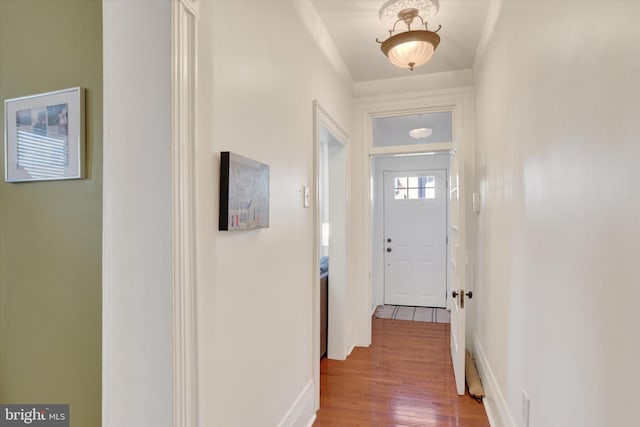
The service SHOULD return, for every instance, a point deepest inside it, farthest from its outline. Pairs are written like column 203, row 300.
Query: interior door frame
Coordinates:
column 337, row 331
column 460, row 102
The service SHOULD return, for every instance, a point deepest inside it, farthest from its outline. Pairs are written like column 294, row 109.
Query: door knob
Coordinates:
column 388, row 240
column 388, row 249
column 462, row 294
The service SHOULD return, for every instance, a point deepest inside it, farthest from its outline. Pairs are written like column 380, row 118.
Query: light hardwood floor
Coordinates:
column 404, row 379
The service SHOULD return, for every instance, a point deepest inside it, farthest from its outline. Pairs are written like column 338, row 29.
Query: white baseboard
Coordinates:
column 302, row 412
column 311, row 421
column 351, row 350
column 494, row 403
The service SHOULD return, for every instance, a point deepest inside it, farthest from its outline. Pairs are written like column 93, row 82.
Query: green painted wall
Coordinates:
column 50, row 232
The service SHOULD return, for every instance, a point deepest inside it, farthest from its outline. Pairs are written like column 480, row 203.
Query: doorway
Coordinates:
column 457, row 147
column 330, row 243
column 415, row 237
column 431, row 293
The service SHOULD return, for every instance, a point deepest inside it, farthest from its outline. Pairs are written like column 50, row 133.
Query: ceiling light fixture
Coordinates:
column 411, row 48
column 420, row 133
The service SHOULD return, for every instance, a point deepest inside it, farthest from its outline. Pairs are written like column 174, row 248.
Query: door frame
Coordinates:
column 460, row 102
column 185, row 16
column 437, row 161
column 155, row 363
column 337, row 330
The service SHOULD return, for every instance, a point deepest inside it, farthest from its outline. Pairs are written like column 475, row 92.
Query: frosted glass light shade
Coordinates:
column 411, row 48
column 420, row 133
column 411, row 54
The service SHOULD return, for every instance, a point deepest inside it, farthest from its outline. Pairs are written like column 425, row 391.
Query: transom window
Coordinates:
column 427, row 128
column 415, row 187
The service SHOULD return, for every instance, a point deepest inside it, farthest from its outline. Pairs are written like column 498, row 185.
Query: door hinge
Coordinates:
column 447, row 239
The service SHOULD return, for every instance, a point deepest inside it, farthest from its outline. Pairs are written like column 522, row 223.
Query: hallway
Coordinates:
column 404, row 379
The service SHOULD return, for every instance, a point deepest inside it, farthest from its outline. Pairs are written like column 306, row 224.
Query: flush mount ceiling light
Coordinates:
column 420, row 133
column 411, row 48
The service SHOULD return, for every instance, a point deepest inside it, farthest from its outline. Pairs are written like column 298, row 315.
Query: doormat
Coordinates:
column 416, row 314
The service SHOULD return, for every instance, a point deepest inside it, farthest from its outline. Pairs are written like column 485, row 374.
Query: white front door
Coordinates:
column 415, row 238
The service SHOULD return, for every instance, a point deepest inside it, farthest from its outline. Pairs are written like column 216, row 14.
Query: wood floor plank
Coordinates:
column 405, row 379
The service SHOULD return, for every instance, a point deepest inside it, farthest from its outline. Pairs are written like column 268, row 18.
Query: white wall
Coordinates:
column 136, row 209
column 559, row 231
column 259, row 73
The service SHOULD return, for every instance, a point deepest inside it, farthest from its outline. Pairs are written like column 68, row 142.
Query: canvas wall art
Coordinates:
column 244, row 193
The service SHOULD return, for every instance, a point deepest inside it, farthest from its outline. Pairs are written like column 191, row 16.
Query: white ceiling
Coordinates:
column 354, row 27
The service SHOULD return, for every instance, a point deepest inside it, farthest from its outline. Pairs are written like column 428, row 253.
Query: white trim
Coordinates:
column 411, row 149
column 338, row 337
column 317, row 238
column 193, row 6
column 453, row 99
column 332, row 126
column 302, row 412
column 494, row 402
column 351, row 350
column 184, row 30
column 108, row 355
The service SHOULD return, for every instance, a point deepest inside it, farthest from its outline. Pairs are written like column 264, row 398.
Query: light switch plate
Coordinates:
column 305, row 192
column 475, row 201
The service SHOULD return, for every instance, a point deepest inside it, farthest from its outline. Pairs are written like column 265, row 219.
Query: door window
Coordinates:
column 415, row 187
